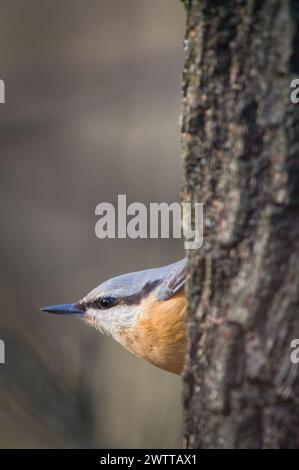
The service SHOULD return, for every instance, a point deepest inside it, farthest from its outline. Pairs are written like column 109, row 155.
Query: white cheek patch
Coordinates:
column 89, row 316
column 114, row 320
column 126, row 315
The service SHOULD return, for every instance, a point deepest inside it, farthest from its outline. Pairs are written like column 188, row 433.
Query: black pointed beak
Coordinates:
column 63, row 309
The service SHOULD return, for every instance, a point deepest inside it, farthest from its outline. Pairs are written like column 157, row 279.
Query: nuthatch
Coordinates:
column 144, row 311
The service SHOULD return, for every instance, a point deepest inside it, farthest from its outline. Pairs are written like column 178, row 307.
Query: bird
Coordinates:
column 144, row 311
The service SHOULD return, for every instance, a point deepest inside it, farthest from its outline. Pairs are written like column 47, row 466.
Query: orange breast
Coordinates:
column 159, row 335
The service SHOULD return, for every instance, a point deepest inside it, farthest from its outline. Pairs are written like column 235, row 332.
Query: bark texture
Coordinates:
column 240, row 143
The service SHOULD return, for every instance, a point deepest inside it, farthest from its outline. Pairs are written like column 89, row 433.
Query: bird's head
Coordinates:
column 115, row 305
column 144, row 311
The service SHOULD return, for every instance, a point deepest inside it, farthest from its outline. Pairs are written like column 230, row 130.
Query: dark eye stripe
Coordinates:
column 133, row 299
column 137, row 298
column 97, row 303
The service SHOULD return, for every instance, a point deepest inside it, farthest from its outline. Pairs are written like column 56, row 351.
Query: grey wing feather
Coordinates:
column 174, row 281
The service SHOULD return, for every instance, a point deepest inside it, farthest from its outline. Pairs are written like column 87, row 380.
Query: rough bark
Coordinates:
column 240, row 142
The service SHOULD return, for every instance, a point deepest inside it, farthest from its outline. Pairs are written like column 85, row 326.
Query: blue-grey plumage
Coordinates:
column 169, row 278
column 144, row 311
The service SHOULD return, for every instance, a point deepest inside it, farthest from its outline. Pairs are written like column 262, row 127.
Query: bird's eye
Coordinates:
column 106, row 302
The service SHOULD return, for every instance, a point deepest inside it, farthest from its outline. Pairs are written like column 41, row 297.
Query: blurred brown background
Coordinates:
column 92, row 109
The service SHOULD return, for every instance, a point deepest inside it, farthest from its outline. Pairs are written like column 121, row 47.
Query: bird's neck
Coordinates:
column 159, row 334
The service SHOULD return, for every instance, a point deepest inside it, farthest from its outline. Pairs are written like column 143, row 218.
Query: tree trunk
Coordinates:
column 240, row 142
